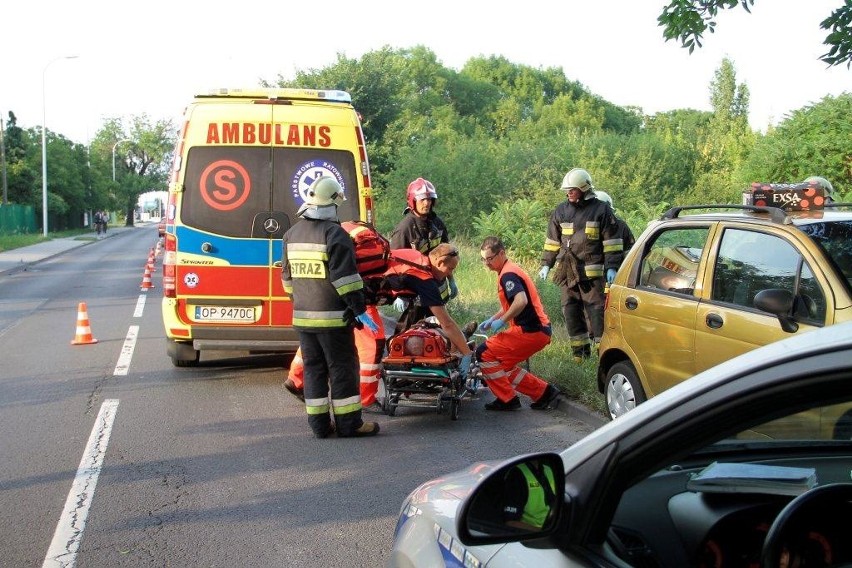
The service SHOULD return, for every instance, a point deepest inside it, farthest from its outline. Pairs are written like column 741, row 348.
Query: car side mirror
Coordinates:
column 779, row 302
column 523, row 499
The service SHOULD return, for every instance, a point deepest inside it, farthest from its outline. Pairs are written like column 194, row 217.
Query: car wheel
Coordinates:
column 623, row 389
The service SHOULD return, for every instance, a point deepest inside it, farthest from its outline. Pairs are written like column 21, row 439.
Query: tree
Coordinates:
column 813, row 141
column 687, row 20
column 142, row 163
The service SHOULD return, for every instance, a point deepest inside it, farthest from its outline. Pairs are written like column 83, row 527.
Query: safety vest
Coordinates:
column 537, row 507
column 411, row 263
column 532, row 292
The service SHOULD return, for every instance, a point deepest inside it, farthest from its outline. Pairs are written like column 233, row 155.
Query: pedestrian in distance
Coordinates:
column 320, row 274
column 582, row 236
column 420, row 229
column 520, row 329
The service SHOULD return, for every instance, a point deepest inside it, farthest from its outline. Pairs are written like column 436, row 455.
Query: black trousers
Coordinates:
column 331, row 367
column 586, row 299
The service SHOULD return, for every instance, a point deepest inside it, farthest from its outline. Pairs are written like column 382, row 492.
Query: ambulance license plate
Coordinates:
column 230, row 314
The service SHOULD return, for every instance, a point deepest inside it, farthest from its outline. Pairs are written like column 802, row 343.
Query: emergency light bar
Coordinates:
column 787, row 196
column 279, row 93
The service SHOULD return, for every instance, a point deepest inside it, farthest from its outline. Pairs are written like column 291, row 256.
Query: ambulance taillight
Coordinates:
column 169, row 261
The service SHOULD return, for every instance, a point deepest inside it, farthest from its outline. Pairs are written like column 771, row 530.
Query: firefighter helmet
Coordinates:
column 577, row 179
column 420, row 189
column 823, row 183
column 604, row 196
column 325, row 191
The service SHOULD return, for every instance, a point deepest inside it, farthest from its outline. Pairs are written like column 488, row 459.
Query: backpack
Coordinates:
column 371, row 248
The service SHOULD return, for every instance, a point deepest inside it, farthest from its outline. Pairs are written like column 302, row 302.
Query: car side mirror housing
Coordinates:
column 523, row 499
column 779, row 302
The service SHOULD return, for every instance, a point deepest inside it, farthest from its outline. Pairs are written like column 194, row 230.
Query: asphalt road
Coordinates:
column 205, row 466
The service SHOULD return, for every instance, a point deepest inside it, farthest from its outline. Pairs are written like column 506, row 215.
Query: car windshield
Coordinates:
column 835, row 238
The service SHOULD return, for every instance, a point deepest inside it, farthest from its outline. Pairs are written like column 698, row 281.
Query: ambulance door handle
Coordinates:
column 206, row 247
column 278, row 264
column 631, row 303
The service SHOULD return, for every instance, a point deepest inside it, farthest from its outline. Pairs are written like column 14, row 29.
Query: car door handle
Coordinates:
column 714, row 321
column 631, row 303
column 278, row 264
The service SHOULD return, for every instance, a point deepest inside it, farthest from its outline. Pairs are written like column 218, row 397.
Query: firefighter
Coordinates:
column 524, row 330
column 420, row 229
column 622, row 228
column 320, row 274
column 582, row 236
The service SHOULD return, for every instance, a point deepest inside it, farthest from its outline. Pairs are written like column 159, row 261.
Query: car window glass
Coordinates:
column 748, row 262
column 671, row 260
column 835, row 238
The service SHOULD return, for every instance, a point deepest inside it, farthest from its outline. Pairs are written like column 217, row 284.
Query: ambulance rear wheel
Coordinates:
column 183, row 354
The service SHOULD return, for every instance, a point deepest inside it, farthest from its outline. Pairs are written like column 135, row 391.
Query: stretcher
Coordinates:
column 421, row 371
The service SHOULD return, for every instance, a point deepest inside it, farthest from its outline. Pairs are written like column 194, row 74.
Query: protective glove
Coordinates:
column 610, row 275
column 454, row 290
column 542, row 273
column 464, row 365
column 365, row 319
column 400, row 304
column 497, row 325
column 486, row 325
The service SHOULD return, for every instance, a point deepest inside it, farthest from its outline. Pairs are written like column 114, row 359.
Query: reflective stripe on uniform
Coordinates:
column 594, row 270
column 593, row 230
column 567, row 228
column 613, row 245
column 316, row 405
column 551, row 246
column 348, row 284
column 306, row 318
column 346, row 405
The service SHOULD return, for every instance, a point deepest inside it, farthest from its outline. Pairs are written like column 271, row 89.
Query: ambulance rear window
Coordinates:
column 228, row 190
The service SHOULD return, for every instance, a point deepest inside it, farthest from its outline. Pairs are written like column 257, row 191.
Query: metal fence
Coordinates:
column 17, row 219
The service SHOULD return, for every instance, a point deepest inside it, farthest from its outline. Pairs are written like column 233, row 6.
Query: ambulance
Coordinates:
column 242, row 164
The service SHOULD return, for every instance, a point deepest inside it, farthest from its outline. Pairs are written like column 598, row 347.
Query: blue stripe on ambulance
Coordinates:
column 245, row 252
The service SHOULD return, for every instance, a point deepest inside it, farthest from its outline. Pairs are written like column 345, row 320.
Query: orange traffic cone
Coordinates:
column 83, row 335
column 146, row 279
column 151, row 257
column 158, row 250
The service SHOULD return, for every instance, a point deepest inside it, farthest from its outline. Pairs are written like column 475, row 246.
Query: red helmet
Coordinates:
column 420, row 189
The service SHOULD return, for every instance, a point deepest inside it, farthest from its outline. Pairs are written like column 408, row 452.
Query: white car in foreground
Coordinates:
column 627, row 494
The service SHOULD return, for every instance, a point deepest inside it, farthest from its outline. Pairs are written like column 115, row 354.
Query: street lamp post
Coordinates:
column 113, row 155
column 44, row 144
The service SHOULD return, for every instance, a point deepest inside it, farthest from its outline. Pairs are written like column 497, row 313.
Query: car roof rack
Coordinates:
column 776, row 215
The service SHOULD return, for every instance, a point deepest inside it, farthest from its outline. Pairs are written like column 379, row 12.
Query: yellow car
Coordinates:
column 699, row 289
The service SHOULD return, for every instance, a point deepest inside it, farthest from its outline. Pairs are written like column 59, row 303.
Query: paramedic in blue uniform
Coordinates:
column 320, row 274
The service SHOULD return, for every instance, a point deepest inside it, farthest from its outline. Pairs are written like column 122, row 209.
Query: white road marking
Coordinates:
column 140, row 307
column 123, row 364
column 69, row 529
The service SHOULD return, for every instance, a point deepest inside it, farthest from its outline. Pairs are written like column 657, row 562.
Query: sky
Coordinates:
column 151, row 57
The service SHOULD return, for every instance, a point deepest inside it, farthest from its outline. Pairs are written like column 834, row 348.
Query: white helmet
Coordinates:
column 325, row 191
column 577, row 179
column 604, row 196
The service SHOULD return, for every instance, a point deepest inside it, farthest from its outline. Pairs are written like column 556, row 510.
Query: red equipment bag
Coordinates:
column 371, row 248
column 423, row 343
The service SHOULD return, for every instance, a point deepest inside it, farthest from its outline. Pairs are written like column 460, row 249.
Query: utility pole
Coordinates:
column 3, row 160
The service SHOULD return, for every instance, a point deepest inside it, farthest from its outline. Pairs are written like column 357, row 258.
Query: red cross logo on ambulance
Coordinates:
column 307, row 173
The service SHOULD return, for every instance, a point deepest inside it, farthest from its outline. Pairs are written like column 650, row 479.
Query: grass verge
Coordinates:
column 9, row 242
